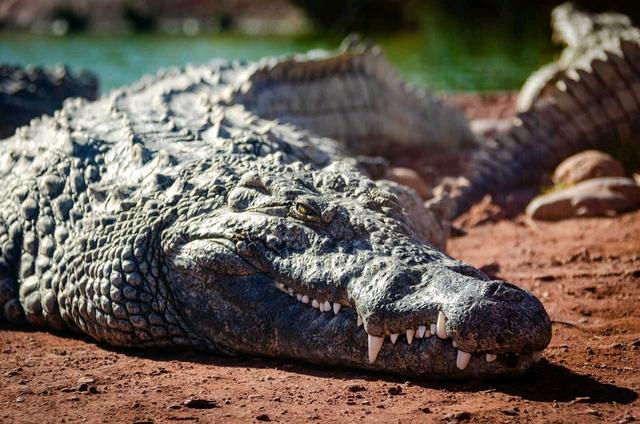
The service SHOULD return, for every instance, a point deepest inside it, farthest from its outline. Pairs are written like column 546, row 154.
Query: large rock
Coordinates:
column 585, row 166
column 595, row 197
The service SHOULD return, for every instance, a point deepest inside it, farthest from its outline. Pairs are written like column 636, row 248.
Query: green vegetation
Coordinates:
column 449, row 52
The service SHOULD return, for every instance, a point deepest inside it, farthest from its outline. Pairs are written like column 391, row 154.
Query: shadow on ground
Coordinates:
column 546, row 382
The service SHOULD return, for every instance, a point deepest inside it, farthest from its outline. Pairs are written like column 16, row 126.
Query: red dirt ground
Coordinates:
column 586, row 271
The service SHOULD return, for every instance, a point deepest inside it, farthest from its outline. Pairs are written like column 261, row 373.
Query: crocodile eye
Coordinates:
column 305, row 212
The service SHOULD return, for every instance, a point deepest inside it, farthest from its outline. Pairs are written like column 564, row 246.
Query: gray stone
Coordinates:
column 587, row 165
column 595, row 197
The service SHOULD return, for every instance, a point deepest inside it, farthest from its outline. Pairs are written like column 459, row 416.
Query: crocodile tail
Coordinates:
column 355, row 97
column 595, row 107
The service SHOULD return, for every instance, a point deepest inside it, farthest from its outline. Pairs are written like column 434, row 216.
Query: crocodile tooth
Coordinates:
column 422, row 329
column 281, row 286
column 359, row 321
column 441, row 331
column 454, row 344
column 433, row 329
column 315, row 303
column 490, row 357
column 326, row 306
column 305, row 299
column 410, row 333
column 291, row 292
column 299, row 297
column 336, row 308
column 536, row 356
column 463, row 359
column 394, row 337
column 375, row 344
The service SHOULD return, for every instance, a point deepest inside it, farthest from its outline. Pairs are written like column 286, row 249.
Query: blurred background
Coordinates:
column 448, row 45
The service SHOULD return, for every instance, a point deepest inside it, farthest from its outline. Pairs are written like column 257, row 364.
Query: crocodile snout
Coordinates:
column 444, row 310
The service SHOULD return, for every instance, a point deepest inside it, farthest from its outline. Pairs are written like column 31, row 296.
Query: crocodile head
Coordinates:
column 324, row 266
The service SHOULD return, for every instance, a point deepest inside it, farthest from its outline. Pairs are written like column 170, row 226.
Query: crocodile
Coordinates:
column 586, row 36
column 591, row 102
column 197, row 209
column 28, row 92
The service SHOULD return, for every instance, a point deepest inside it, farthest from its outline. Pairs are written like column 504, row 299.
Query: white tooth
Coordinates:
column 536, row 356
column 305, row 299
column 315, row 303
column 433, row 329
column 327, row 306
column 375, row 344
column 421, row 331
column 359, row 321
column 491, row 357
column 463, row 359
column 299, row 297
column 291, row 292
column 441, row 331
column 336, row 308
column 410, row 334
column 394, row 337
column 454, row 344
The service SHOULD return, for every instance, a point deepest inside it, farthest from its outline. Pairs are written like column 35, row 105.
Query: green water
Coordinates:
column 444, row 55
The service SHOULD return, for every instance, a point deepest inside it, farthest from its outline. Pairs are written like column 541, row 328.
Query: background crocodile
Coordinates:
column 591, row 101
column 586, row 36
column 172, row 214
column 28, row 92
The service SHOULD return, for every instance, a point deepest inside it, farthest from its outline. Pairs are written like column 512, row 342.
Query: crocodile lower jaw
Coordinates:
column 412, row 335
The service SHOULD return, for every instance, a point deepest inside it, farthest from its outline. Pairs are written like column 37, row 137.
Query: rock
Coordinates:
column 596, row 197
column 13, row 372
column 585, row 166
column 394, row 390
column 200, row 403
column 263, row 417
column 356, row 388
column 458, row 416
column 410, row 178
column 512, row 412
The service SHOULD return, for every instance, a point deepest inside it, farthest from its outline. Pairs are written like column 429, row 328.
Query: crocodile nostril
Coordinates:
column 503, row 291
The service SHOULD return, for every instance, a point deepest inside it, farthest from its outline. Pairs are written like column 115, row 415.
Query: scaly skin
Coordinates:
column 163, row 215
column 355, row 97
column 594, row 106
column 586, row 36
column 26, row 93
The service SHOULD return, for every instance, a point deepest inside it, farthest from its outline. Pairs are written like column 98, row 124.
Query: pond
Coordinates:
column 445, row 55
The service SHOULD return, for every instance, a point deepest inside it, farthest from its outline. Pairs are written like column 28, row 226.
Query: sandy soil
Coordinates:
column 586, row 271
